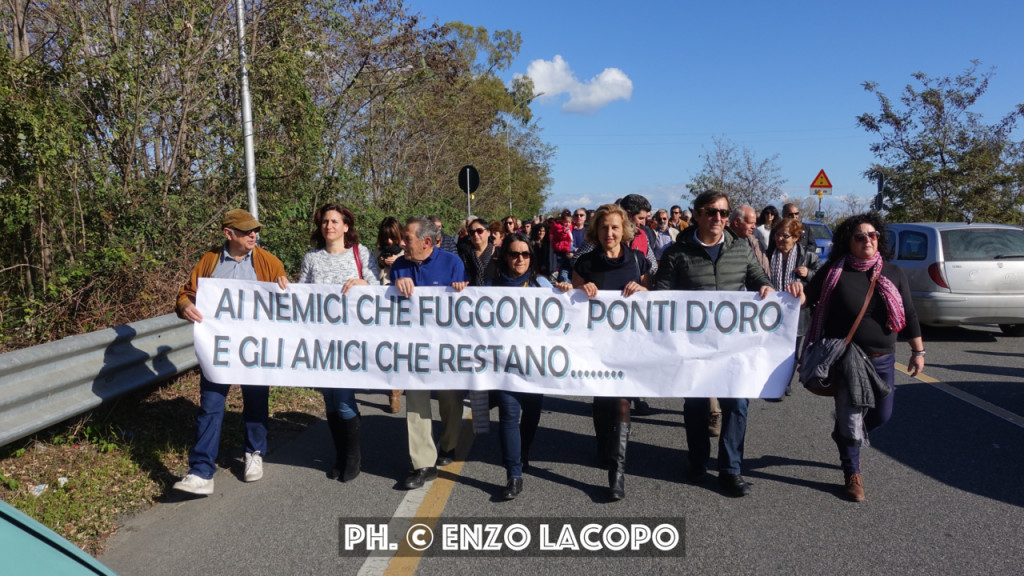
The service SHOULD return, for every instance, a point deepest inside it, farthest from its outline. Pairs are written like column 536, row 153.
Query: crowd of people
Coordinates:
column 622, row 247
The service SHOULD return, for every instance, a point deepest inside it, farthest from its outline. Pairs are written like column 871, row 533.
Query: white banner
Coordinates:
column 652, row 344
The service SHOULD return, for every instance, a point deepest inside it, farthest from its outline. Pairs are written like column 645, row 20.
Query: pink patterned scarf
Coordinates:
column 891, row 294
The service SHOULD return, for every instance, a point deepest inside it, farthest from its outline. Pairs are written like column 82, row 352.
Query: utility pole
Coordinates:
column 250, row 158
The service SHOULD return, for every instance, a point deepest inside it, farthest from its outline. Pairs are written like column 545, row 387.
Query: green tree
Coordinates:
column 940, row 161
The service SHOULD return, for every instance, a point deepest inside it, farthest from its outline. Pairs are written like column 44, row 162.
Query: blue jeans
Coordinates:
column 255, row 413
column 849, row 456
column 341, row 401
column 730, row 442
column 516, row 437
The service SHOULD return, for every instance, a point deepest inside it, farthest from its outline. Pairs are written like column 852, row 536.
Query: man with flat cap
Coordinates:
column 241, row 259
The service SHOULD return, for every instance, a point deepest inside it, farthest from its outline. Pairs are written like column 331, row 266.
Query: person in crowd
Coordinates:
column 339, row 258
column 686, row 217
column 790, row 210
column 675, row 220
column 240, row 258
column 860, row 253
column 389, row 247
column 497, row 233
column 579, row 225
column 479, row 256
column 639, row 210
column 448, row 243
column 511, row 224
column 612, row 265
column 765, row 222
column 542, row 249
column 528, row 228
column 424, row 264
column 791, row 262
column 518, row 412
column 560, row 236
column 742, row 222
column 664, row 235
column 708, row 256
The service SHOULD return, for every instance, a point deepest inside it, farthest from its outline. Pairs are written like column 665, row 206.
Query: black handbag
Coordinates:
column 820, row 356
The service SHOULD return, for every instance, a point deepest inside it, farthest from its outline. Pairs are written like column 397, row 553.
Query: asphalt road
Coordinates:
column 943, row 483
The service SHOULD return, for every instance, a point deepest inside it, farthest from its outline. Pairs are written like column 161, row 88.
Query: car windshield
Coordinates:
column 818, row 231
column 968, row 244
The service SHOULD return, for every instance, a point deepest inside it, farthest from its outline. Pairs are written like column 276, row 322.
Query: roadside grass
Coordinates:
column 82, row 477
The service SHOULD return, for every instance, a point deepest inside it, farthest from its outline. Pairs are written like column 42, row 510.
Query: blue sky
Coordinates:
column 634, row 92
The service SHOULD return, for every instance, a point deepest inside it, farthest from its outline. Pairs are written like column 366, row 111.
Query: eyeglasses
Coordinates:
column 863, row 236
column 791, row 214
column 663, row 219
column 478, row 231
column 786, row 236
column 525, row 255
column 710, row 212
column 243, row 233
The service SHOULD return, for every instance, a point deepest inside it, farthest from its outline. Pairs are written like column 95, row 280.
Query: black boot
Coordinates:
column 617, row 456
column 353, row 456
column 338, row 438
column 602, row 425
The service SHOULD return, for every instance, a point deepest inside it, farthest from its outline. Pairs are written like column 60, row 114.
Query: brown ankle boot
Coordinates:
column 395, row 401
column 854, row 488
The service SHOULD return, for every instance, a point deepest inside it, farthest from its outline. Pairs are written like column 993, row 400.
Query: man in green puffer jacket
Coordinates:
column 709, row 256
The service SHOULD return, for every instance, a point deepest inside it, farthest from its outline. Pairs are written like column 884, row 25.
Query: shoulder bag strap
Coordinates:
column 863, row 309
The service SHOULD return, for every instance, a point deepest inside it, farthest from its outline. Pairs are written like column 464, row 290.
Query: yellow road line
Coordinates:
column 969, row 398
column 406, row 560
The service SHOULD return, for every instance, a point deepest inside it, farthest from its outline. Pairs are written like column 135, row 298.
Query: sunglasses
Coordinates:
column 478, row 231
column 712, row 211
column 863, row 236
column 238, row 232
column 791, row 214
column 525, row 255
column 676, row 212
column 580, row 215
column 510, row 223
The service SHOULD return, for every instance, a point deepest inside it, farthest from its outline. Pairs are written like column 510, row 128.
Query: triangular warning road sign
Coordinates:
column 821, row 181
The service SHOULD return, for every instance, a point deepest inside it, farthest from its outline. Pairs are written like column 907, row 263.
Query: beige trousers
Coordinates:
column 418, row 421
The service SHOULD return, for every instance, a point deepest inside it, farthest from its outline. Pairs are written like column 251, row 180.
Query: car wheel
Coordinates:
column 1012, row 329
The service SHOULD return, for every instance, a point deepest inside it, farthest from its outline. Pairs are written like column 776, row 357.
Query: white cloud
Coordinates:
column 554, row 78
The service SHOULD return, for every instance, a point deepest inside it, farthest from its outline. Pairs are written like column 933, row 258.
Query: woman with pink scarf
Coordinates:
column 837, row 294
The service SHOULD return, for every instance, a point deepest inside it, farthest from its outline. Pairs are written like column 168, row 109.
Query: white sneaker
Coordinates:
column 253, row 467
column 194, row 485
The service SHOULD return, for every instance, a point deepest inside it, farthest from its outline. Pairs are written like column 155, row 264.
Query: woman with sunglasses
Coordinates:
column 339, row 258
column 791, row 262
column 612, row 265
column 837, row 294
column 518, row 412
column 478, row 253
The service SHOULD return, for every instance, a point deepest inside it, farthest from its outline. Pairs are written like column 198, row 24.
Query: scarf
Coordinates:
column 478, row 265
column 890, row 294
column 783, row 270
column 505, row 280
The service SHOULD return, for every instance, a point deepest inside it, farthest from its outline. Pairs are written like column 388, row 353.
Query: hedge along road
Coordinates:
column 942, row 483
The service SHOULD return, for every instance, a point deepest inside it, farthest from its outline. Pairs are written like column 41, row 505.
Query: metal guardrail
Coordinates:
column 43, row 385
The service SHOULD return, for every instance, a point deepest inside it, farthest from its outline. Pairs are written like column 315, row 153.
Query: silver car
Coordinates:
column 963, row 273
